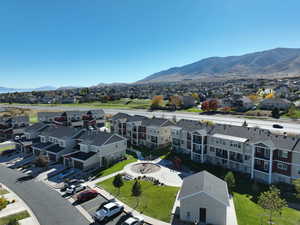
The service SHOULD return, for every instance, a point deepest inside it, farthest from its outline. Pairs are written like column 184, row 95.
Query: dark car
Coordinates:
column 278, row 126
column 86, row 195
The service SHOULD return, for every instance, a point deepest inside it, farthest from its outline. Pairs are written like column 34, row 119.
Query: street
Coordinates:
column 47, row 205
column 289, row 126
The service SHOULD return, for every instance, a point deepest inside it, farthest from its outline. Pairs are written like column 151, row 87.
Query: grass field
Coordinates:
column 155, row 201
column 117, row 167
column 17, row 216
column 119, row 104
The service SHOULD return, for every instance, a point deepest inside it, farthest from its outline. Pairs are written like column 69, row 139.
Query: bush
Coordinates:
column 3, row 203
column 13, row 221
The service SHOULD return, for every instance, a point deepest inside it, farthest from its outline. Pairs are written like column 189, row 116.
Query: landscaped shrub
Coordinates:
column 3, row 203
column 13, row 221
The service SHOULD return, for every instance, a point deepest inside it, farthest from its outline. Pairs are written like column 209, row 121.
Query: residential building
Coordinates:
column 204, row 199
column 261, row 154
column 96, row 149
column 140, row 130
column 10, row 126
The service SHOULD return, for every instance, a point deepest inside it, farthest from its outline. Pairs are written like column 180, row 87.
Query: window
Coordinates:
column 212, row 149
column 188, row 214
column 282, row 166
column 284, row 154
column 247, row 157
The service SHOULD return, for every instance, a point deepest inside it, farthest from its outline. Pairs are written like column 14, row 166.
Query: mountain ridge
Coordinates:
column 277, row 61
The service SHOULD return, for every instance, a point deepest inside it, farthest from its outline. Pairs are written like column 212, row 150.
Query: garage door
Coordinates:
column 78, row 165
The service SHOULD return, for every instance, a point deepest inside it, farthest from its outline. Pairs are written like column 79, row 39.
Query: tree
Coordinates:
column 253, row 97
column 213, row 105
column 271, row 95
column 118, row 182
column 3, row 203
column 271, row 202
column 275, row 113
column 205, row 106
column 195, row 96
column 157, row 101
column 136, row 190
column 245, row 124
column 176, row 101
column 296, row 184
column 230, row 180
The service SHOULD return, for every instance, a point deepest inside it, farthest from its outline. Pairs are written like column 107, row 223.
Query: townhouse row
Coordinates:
column 79, row 118
column 11, row 126
column 263, row 155
column 74, row 147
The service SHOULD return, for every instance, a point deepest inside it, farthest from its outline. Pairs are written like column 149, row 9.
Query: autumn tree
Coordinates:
column 213, row 104
column 271, row 202
column 205, row 106
column 176, row 101
column 268, row 96
column 195, row 96
column 253, row 97
column 157, row 101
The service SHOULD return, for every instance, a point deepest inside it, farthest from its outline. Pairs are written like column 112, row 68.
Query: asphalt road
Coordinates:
column 47, row 205
column 290, row 126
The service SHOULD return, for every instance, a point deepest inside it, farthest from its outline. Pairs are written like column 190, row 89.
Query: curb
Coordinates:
column 26, row 206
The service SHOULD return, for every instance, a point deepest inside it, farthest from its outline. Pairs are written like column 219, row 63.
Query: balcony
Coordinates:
column 236, row 157
column 222, row 154
column 261, row 166
column 197, row 148
column 197, row 139
column 262, row 155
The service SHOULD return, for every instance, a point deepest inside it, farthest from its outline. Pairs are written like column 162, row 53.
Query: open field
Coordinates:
column 155, row 201
column 17, row 216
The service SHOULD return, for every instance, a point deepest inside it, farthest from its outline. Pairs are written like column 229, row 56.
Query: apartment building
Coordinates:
column 55, row 141
column 265, row 156
column 140, row 130
column 10, row 126
column 76, row 118
column 96, row 149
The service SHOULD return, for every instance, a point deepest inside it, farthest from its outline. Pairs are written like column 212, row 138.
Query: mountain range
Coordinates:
column 9, row 90
column 270, row 63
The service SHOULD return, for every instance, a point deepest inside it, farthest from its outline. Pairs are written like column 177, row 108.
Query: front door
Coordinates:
column 202, row 215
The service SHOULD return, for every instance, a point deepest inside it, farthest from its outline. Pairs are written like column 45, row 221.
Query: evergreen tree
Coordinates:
column 118, row 182
column 275, row 113
column 230, row 180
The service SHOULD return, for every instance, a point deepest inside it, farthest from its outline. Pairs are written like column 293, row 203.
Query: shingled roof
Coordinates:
column 204, row 182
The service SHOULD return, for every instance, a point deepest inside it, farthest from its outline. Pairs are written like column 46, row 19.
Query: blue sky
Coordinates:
column 83, row 43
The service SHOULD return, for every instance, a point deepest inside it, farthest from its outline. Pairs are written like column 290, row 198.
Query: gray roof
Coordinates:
column 136, row 118
column 36, row 127
column 157, row 122
column 190, row 125
column 207, row 183
column 120, row 116
column 60, row 132
column 99, row 138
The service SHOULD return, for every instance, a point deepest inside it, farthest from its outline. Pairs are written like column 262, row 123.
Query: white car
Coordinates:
column 133, row 221
column 73, row 189
column 108, row 210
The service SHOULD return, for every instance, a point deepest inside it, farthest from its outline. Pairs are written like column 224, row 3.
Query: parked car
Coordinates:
column 108, row 210
column 66, row 173
column 133, row 221
column 71, row 182
column 278, row 126
column 73, row 189
column 86, row 195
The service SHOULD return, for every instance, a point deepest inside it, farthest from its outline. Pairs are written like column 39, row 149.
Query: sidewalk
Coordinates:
column 17, row 207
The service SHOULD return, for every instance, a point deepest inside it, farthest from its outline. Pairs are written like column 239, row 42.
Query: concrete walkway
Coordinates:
column 231, row 215
column 18, row 206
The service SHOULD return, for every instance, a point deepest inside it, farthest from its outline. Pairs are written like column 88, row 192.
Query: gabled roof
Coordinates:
column 157, row 122
column 190, row 125
column 60, row 132
column 99, row 138
column 120, row 116
column 36, row 127
column 204, row 182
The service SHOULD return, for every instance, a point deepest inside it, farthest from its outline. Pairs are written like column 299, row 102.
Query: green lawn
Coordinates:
column 293, row 114
column 18, row 216
column 196, row 110
column 155, row 201
column 117, row 167
column 3, row 191
column 249, row 213
column 154, row 153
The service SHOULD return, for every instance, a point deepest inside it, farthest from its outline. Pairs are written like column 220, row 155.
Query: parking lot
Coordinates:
column 95, row 204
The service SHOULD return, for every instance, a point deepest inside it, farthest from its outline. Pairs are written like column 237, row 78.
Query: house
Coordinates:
column 187, row 101
column 204, row 199
column 48, row 116
column 11, row 126
column 272, row 103
column 265, row 156
column 96, row 149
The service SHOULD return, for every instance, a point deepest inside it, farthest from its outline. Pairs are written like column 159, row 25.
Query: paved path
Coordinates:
column 48, row 206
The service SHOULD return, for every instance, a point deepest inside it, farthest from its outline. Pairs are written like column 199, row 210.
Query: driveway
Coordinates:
column 48, row 206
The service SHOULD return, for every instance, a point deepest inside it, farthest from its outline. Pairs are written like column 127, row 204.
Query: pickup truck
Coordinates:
column 108, row 210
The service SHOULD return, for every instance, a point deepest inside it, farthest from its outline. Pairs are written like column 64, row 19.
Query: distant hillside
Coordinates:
column 275, row 62
column 10, row 90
